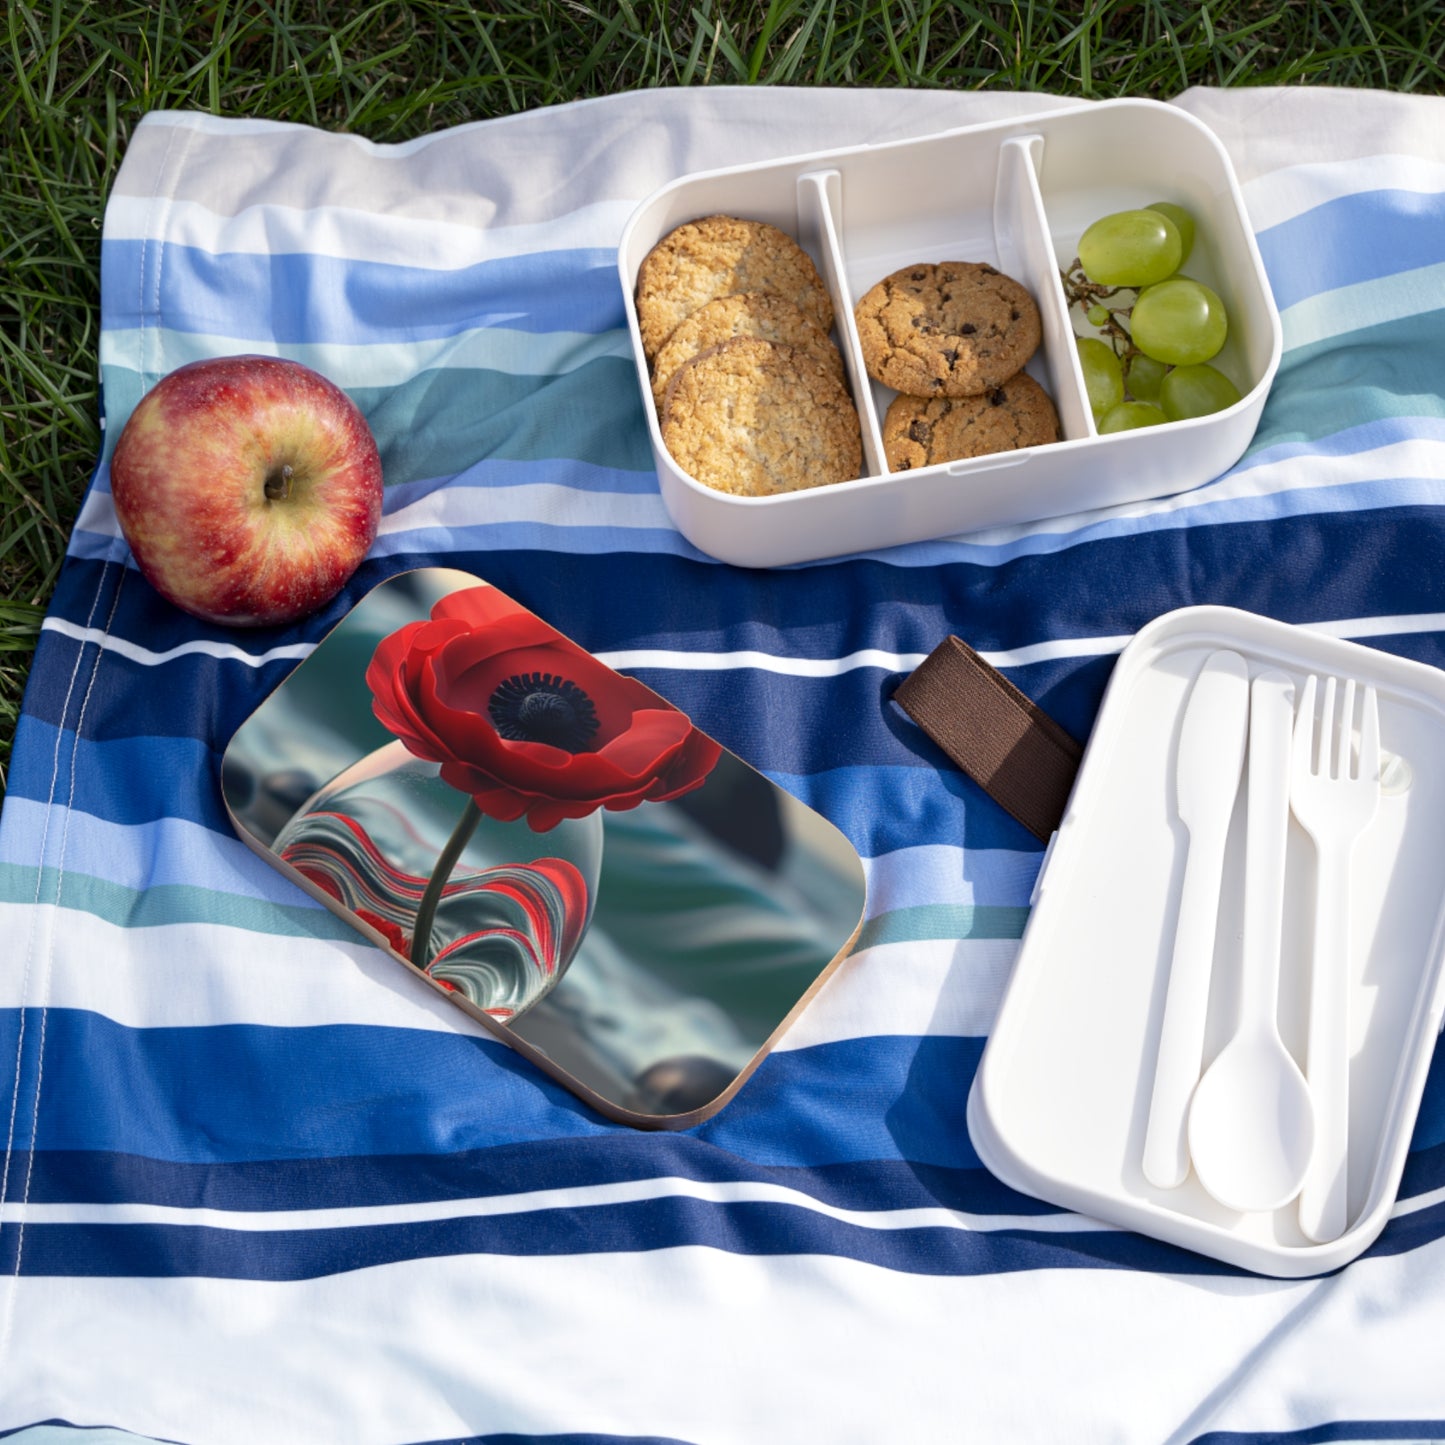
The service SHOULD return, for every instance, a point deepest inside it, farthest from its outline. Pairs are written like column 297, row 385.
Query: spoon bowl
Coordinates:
column 1251, row 1124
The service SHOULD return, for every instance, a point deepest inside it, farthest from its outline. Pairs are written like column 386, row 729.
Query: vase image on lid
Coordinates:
column 556, row 848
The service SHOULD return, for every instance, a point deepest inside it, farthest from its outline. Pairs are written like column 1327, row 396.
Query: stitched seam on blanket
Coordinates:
column 165, row 193
column 35, row 916
column 30, row 951
column 48, row 970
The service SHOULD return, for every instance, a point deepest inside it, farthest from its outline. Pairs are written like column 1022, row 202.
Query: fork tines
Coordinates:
column 1334, row 755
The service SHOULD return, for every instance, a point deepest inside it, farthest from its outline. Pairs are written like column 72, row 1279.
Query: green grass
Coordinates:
column 76, row 77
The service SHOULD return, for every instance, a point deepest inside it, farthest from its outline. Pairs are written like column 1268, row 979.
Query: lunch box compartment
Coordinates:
column 1014, row 195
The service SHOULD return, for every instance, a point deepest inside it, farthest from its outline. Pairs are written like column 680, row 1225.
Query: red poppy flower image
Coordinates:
column 524, row 720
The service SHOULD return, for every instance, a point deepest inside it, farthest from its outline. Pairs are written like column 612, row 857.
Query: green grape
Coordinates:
column 1103, row 376
column 1183, row 223
column 1179, row 322
column 1144, row 376
column 1129, row 415
column 1196, row 391
column 1098, row 315
column 1130, row 248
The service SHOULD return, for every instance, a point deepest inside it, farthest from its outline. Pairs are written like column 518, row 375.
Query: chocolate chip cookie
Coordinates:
column 749, row 313
column 717, row 256
column 753, row 418
column 918, row 432
column 955, row 328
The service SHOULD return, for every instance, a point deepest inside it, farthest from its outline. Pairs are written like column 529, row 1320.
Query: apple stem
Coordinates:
column 446, row 861
column 278, row 484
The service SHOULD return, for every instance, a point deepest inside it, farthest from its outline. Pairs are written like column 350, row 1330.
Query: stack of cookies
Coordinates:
column 748, row 383
column 952, row 338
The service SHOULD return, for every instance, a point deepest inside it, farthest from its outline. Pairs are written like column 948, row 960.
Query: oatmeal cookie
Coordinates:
column 717, row 256
column 752, row 417
column 955, row 328
column 748, row 313
column 918, row 432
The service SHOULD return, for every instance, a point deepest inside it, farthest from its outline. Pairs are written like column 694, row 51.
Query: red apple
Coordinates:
column 248, row 487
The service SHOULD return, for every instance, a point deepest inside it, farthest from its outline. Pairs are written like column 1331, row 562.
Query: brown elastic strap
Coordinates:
column 1009, row 746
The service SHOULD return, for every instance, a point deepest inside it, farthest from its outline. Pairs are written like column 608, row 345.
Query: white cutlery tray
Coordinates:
column 1016, row 195
column 1060, row 1104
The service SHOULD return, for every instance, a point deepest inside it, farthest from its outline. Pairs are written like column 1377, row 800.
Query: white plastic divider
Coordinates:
column 1025, row 252
column 1026, row 248
column 820, row 224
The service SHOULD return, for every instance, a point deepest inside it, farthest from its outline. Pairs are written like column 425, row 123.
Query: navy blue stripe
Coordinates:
column 1410, row 1231
column 1353, row 238
column 57, row 1176
column 1339, row 565
column 755, row 1229
column 568, row 1439
column 133, row 708
column 1424, row 1170
column 752, row 1228
column 1415, row 1431
column 1430, row 1126
column 299, row 297
column 203, row 696
column 241, row 1091
column 509, row 1438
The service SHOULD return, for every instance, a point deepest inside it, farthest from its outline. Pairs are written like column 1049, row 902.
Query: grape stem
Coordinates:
column 1086, row 295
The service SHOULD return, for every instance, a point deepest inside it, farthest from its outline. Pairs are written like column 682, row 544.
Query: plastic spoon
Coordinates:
column 1251, row 1122
column 1211, row 755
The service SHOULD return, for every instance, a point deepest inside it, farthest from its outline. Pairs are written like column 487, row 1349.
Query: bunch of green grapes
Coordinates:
column 1153, row 367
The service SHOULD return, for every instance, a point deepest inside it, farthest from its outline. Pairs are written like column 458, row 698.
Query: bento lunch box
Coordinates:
column 1061, row 1104
column 1016, row 195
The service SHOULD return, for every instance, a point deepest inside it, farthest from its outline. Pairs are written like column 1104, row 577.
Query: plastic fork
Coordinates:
column 1334, row 793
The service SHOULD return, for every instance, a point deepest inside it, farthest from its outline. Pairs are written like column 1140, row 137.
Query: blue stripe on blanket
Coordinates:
column 1336, row 1432
column 1370, row 377
column 298, row 297
column 1359, row 567
column 339, row 1092
column 757, row 1229
column 754, row 1227
column 127, row 780
column 440, row 422
column 332, row 1091
column 143, row 780
column 1350, row 239
column 100, row 1177
column 56, row 1431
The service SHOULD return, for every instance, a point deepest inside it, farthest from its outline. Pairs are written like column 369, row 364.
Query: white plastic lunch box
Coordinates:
column 1016, row 195
column 1060, row 1105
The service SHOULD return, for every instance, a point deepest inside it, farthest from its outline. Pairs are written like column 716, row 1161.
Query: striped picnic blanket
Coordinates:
column 256, row 1187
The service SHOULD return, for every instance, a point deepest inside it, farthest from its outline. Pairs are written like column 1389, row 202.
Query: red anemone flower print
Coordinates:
column 524, row 720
